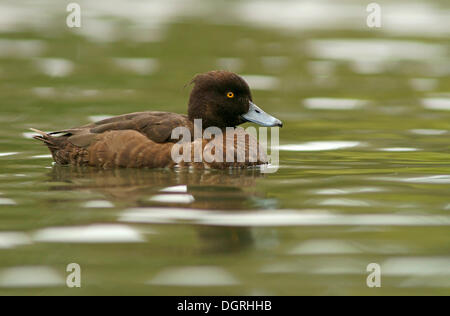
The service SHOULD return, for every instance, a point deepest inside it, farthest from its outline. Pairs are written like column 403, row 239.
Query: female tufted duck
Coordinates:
column 219, row 98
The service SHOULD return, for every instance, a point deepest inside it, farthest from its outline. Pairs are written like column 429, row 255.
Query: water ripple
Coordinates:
column 333, row 104
column 98, row 204
column 437, row 179
column 6, row 201
column 319, row 146
column 260, row 82
column 175, row 189
column 442, row 104
column 10, row 240
column 324, row 247
column 8, row 154
column 173, row 198
column 276, row 218
column 431, row 132
column 342, row 191
column 89, row 234
column 194, row 276
column 140, row 66
column 30, row 277
column 55, row 67
column 399, row 149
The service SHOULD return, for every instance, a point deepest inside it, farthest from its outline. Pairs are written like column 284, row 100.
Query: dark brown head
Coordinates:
column 223, row 99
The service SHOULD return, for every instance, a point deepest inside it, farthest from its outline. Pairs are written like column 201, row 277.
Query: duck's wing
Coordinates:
column 156, row 126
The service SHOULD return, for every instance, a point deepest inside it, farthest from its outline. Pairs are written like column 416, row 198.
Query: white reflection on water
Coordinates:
column 55, row 67
column 160, row 215
column 230, row 63
column 194, row 276
column 333, row 104
column 342, row 191
column 425, row 271
column 175, row 189
column 71, row 92
column 21, row 48
column 344, row 202
column 41, row 156
column 6, row 201
column 442, row 104
column 375, row 55
column 10, row 240
column 90, row 92
column 173, row 198
column 89, row 234
column 415, row 18
column 324, row 247
column 434, row 281
column 30, row 277
column 401, row 19
column 319, row 146
column 437, row 179
column 140, row 66
column 260, row 82
column 28, row 135
column 280, row 267
column 147, row 19
column 274, row 63
column 44, row 92
column 298, row 15
column 375, row 49
column 429, row 132
column 340, row 266
column 276, row 218
column 344, row 247
column 330, row 266
column 416, row 266
column 399, row 149
column 8, row 154
column 424, row 84
column 98, row 204
column 425, row 19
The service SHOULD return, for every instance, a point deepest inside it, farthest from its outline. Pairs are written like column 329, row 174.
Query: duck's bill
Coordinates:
column 258, row 116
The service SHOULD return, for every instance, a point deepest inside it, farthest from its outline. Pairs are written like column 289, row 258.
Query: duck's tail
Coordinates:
column 46, row 138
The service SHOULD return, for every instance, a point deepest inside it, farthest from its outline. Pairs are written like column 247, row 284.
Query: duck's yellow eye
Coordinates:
column 230, row 95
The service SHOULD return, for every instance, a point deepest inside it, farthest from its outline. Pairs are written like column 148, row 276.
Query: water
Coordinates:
column 364, row 158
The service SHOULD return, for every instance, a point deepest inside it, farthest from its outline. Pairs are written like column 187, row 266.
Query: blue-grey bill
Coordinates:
column 258, row 116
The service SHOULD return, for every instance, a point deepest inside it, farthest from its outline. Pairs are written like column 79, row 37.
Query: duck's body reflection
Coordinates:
column 207, row 190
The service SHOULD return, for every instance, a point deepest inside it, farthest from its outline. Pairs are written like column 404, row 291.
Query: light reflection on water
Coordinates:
column 364, row 173
column 280, row 217
column 96, row 234
column 319, row 146
column 194, row 276
column 31, row 277
column 10, row 240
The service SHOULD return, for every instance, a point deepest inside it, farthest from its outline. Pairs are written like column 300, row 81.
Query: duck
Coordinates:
column 219, row 99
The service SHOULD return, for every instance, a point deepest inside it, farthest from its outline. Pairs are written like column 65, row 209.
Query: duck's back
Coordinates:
column 156, row 126
column 123, row 135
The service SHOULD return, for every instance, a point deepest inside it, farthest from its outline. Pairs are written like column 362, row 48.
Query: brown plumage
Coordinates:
column 143, row 139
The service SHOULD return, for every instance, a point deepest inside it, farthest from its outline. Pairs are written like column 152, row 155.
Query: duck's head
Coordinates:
column 223, row 99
